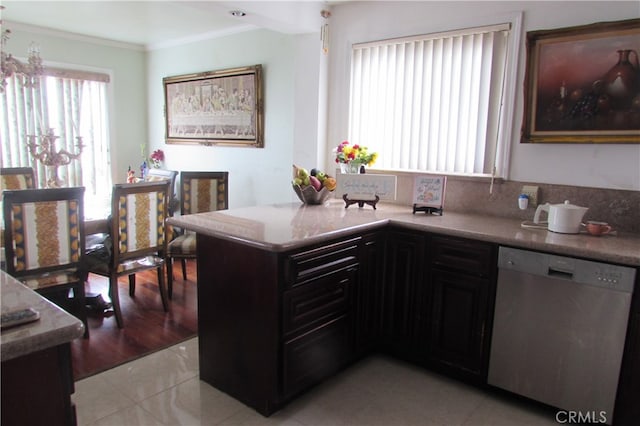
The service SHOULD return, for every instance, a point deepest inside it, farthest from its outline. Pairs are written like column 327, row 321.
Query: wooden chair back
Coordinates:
column 44, row 230
column 139, row 212
column 17, row 178
column 204, row 191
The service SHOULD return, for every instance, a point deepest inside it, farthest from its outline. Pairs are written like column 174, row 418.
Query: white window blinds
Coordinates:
column 430, row 103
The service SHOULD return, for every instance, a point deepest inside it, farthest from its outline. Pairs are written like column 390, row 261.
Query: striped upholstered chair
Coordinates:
column 136, row 241
column 199, row 192
column 44, row 243
column 17, row 178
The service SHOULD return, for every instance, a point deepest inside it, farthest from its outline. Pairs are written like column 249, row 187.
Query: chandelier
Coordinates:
column 10, row 65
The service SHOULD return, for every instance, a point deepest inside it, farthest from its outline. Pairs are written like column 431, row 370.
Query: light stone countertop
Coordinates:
column 281, row 227
column 54, row 327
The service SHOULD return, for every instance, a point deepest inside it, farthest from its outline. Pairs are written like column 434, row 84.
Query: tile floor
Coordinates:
column 163, row 389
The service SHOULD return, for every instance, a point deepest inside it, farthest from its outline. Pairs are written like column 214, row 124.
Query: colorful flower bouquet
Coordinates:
column 351, row 157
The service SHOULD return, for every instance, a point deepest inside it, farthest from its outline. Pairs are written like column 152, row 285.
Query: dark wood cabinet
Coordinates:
column 317, row 328
column 369, row 297
column 37, row 388
column 272, row 324
column 462, row 278
column 458, row 321
column 403, row 307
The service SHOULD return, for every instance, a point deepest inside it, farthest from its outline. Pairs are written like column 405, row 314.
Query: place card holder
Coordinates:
column 361, row 203
column 366, row 189
column 428, row 194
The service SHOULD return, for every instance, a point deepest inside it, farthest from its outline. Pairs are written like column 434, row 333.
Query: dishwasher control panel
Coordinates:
column 620, row 278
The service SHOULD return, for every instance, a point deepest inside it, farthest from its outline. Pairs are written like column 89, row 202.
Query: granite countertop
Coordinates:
column 281, row 227
column 54, row 327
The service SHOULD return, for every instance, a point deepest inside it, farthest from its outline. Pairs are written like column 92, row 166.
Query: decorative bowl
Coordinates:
column 309, row 195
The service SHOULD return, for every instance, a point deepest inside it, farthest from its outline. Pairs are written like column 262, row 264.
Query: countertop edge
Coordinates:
column 11, row 350
column 55, row 326
column 492, row 229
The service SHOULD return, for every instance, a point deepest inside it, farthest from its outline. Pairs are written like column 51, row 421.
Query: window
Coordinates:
column 432, row 103
column 72, row 104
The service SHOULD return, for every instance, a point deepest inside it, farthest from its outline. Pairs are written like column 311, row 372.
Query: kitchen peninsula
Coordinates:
column 289, row 293
column 37, row 378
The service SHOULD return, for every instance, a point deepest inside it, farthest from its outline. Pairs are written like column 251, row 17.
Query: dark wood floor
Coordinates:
column 147, row 328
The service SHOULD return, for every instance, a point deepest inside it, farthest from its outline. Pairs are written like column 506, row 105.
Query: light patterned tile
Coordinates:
column 132, row 416
column 497, row 411
column 378, row 391
column 192, row 403
column 188, row 350
column 151, row 374
column 249, row 417
column 96, row 398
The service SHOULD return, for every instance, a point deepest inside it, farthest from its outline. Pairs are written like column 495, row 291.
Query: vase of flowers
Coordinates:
column 157, row 157
column 352, row 158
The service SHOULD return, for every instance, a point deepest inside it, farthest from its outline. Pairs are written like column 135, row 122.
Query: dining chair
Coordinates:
column 136, row 240
column 199, row 192
column 155, row 175
column 17, row 178
column 44, row 242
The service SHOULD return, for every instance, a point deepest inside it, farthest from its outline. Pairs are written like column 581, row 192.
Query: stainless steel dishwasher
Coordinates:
column 559, row 330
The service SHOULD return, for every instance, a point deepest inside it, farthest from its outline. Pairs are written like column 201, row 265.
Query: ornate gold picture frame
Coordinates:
column 222, row 107
column 582, row 84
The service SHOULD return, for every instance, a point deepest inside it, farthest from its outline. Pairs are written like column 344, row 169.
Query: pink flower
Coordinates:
column 157, row 155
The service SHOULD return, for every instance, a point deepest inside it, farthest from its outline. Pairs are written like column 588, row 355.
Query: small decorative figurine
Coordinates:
column 131, row 176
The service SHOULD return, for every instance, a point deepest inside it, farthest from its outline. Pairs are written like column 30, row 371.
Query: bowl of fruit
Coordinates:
column 312, row 187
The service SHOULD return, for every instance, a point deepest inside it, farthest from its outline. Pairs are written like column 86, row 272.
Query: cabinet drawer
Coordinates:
column 303, row 266
column 473, row 257
column 315, row 355
column 326, row 297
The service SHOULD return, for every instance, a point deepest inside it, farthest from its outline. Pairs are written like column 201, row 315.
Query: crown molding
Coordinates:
column 201, row 37
column 34, row 29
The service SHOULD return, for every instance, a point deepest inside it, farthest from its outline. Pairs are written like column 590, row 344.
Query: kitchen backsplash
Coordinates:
column 620, row 208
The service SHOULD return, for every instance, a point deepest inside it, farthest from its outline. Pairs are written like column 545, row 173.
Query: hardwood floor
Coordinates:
column 147, row 328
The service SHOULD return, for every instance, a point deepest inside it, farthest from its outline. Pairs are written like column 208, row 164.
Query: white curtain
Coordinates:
column 72, row 105
column 430, row 103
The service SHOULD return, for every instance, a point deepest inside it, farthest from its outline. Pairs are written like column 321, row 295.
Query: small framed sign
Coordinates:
column 365, row 188
column 428, row 194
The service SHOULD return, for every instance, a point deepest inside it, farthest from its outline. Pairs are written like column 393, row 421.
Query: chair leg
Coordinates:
column 183, row 262
column 163, row 289
column 115, row 300
column 169, row 263
column 81, row 302
column 132, row 285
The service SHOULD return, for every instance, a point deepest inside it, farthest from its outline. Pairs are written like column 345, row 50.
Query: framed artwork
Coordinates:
column 428, row 193
column 222, row 107
column 582, row 84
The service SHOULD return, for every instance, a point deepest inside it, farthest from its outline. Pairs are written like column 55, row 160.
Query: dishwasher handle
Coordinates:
column 557, row 273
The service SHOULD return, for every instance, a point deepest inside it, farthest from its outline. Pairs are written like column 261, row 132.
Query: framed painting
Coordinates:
column 582, row 84
column 222, row 107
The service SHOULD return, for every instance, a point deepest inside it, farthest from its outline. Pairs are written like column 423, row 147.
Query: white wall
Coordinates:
column 603, row 166
column 256, row 175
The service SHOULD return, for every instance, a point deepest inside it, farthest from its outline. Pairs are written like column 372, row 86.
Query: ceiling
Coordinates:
column 161, row 23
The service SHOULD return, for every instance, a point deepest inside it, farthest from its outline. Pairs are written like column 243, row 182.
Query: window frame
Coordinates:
column 505, row 121
column 79, row 72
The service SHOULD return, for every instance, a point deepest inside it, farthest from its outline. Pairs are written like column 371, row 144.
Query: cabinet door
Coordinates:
column 317, row 328
column 368, row 309
column 315, row 355
column 458, row 321
column 402, row 306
